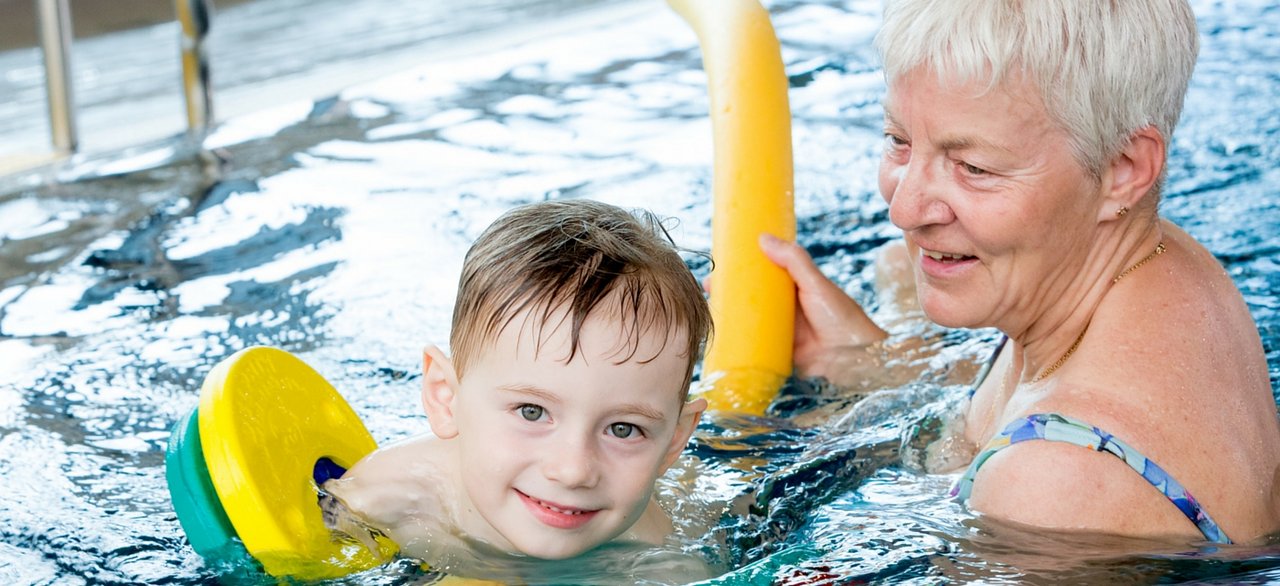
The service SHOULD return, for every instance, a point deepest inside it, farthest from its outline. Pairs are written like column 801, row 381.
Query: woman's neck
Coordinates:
column 1047, row 342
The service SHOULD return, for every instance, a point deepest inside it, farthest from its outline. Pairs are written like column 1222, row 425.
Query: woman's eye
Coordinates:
column 970, row 169
column 894, row 140
column 531, row 412
column 622, row 430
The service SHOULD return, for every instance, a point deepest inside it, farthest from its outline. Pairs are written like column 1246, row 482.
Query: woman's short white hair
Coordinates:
column 1105, row 68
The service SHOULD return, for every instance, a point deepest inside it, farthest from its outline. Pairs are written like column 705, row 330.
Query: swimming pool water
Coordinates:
column 126, row 85
column 335, row 230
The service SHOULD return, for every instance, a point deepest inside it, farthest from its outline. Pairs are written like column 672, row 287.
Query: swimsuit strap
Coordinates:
column 1060, row 428
column 986, row 366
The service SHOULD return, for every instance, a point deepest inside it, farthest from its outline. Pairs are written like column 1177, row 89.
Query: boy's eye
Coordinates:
column 531, row 412
column 622, row 430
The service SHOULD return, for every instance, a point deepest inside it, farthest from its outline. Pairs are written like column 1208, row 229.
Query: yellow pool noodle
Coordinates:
column 752, row 300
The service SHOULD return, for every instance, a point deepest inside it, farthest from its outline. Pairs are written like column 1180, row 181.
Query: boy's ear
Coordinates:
column 439, row 389
column 1134, row 172
column 689, row 418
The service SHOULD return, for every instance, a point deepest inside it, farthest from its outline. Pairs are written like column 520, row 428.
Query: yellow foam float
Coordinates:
column 267, row 420
column 244, row 469
column 245, row 466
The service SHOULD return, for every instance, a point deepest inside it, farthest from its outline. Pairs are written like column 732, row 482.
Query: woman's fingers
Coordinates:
column 820, row 298
column 828, row 321
column 796, row 261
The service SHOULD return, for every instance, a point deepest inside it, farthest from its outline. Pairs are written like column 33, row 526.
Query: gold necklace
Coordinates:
column 1056, row 365
column 1076, row 344
column 1146, row 259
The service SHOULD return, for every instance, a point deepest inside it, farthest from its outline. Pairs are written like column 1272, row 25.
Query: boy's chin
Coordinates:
column 558, row 555
column 535, row 550
column 554, row 549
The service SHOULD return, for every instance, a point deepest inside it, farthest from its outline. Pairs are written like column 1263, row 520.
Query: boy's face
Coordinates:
column 557, row 457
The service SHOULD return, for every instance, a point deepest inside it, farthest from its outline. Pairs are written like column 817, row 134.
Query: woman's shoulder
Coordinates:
column 1212, row 431
column 1192, row 288
column 1056, row 485
column 1176, row 330
column 1173, row 366
column 1225, row 458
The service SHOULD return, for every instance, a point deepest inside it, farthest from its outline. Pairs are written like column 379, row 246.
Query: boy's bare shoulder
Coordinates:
column 397, row 480
column 403, row 458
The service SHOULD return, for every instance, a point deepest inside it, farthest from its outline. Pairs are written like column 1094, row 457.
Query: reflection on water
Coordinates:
column 126, row 85
column 335, row 230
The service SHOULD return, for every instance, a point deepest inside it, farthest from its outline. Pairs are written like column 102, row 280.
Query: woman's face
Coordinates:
column 997, row 214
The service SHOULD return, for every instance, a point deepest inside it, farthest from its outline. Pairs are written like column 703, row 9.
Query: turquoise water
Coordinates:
column 335, row 230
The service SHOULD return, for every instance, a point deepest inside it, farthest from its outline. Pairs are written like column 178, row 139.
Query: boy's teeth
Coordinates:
column 561, row 511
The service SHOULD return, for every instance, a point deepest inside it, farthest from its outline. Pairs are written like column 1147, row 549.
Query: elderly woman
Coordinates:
column 1024, row 148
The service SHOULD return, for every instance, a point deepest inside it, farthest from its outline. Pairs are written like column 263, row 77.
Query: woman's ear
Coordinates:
column 688, row 421
column 1134, row 173
column 439, row 389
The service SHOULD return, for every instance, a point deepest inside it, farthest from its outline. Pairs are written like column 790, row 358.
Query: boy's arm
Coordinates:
column 381, row 491
column 344, row 523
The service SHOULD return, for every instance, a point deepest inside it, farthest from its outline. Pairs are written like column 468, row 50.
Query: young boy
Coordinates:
column 575, row 333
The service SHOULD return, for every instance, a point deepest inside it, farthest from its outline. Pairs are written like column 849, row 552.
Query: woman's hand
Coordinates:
column 828, row 321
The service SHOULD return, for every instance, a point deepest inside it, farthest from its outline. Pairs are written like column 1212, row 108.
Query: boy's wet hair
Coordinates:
column 576, row 255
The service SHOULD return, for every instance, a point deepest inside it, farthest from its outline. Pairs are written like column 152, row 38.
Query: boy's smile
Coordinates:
column 556, row 457
column 558, row 516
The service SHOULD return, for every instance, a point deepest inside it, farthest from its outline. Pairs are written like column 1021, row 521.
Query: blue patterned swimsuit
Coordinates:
column 1060, row 428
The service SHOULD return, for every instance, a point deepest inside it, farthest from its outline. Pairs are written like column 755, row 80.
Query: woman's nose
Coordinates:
column 917, row 199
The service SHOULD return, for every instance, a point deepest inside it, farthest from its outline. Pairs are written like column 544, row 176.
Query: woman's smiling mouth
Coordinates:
column 938, row 264
column 944, row 256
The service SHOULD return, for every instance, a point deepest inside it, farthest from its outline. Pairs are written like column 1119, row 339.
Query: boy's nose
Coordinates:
column 573, row 464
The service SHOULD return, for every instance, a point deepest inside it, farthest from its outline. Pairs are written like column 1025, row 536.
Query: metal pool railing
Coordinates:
column 55, row 40
column 194, row 16
column 54, row 22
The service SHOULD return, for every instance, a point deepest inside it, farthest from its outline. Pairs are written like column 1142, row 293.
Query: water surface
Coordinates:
column 335, row 229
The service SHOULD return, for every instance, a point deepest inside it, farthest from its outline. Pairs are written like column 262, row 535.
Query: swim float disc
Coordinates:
column 245, row 464
column 194, row 498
